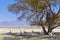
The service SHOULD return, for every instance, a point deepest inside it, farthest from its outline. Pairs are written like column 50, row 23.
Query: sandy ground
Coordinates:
column 11, row 37
column 15, row 30
column 38, row 37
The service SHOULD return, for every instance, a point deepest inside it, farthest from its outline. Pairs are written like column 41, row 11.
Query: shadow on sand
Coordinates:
column 32, row 37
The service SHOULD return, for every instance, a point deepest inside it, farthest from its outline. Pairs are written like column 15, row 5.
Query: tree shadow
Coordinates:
column 12, row 38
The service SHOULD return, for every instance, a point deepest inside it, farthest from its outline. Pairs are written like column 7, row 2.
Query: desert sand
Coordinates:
column 16, row 30
column 39, row 37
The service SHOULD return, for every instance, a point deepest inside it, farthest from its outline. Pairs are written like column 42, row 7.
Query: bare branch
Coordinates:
column 42, row 24
column 58, row 12
column 55, row 27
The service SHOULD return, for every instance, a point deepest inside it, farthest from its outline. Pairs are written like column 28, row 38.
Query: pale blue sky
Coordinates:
column 5, row 15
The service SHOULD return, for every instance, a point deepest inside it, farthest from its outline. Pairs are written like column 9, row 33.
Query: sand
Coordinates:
column 18, row 30
column 38, row 37
column 11, row 37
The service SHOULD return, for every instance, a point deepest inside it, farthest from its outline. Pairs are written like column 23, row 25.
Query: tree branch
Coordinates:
column 42, row 24
column 55, row 26
column 24, row 8
column 58, row 12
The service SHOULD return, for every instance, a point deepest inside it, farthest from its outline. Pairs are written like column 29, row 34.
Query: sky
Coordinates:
column 7, row 18
column 5, row 15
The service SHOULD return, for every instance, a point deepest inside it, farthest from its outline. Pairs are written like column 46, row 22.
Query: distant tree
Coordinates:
column 45, row 13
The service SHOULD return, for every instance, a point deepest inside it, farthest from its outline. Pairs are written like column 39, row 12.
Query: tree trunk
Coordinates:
column 49, row 30
column 44, row 30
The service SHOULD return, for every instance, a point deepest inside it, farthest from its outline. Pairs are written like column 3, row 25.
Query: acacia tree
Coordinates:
column 38, row 12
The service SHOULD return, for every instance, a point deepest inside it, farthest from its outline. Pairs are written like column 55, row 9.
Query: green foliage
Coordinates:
column 37, row 9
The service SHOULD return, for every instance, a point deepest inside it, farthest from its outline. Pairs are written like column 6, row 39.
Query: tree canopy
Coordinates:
column 39, row 12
